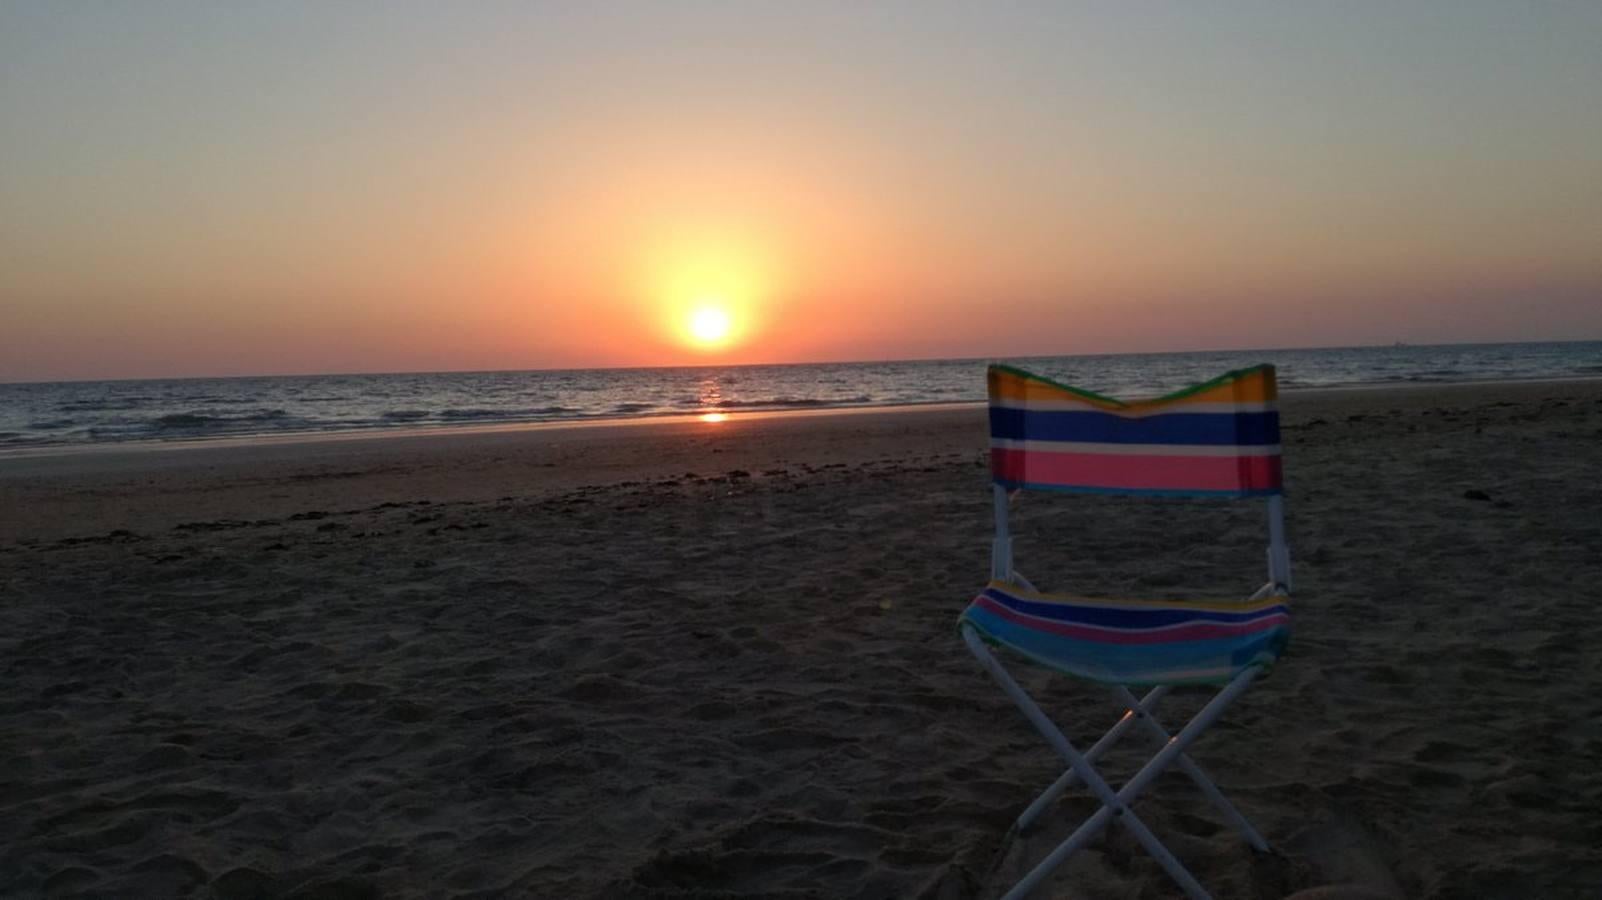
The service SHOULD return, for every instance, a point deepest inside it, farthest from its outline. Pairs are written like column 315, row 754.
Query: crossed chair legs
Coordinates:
column 1116, row 804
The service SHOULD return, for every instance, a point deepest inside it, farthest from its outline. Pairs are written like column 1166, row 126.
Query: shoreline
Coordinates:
column 404, row 432
column 163, row 486
column 446, row 430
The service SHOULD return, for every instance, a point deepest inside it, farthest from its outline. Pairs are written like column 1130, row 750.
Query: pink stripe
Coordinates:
column 1197, row 632
column 1160, row 473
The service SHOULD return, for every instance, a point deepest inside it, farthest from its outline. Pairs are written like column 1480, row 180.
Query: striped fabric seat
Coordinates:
column 1218, row 438
column 1133, row 642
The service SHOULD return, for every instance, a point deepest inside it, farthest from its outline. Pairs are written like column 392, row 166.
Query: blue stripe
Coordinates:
column 1132, row 663
column 1109, row 658
column 1011, row 485
column 1208, row 429
column 1128, row 616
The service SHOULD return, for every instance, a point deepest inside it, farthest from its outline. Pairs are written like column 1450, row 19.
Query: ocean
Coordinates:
column 34, row 415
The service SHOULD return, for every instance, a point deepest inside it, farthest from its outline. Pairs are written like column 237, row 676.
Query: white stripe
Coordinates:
column 1136, row 449
column 1081, row 406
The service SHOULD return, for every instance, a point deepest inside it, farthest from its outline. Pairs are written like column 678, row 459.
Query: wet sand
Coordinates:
column 693, row 659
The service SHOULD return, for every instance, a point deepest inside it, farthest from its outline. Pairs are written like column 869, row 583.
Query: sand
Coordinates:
column 554, row 663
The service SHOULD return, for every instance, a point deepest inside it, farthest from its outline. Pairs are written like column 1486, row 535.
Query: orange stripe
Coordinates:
column 1257, row 387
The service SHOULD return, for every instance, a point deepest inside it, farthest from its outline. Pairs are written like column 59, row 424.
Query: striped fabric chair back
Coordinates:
column 1218, row 439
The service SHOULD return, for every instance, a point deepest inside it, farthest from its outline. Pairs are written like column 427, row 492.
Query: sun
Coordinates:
column 709, row 297
column 708, row 325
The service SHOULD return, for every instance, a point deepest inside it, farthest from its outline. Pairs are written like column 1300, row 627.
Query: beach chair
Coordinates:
column 1216, row 439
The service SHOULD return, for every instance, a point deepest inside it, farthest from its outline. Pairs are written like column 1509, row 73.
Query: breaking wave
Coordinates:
column 190, row 420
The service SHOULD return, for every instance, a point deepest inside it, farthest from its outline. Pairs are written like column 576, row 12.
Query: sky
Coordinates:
column 221, row 189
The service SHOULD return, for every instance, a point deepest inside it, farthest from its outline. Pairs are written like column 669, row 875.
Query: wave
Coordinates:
column 479, row 414
column 404, row 415
column 471, row 414
column 1588, row 369
column 205, row 399
column 51, row 424
column 185, row 420
column 792, row 402
column 119, row 432
column 178, row 421
column 101, row 405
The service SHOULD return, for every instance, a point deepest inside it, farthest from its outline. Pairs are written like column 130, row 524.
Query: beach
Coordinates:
column 720, row 659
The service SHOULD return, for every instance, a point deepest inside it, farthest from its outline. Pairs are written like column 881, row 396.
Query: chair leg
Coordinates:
column 1113, row 805
column 1132, row 789
column 1133, row 710
column 1189, row 767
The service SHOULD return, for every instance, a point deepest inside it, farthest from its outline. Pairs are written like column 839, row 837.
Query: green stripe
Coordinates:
column 1092, row 395
column 1267, row 665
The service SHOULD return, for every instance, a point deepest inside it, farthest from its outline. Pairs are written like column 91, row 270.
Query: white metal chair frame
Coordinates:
column 1116, row 803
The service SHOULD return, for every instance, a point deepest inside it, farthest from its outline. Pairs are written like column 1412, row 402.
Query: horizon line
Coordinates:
column 751, row 365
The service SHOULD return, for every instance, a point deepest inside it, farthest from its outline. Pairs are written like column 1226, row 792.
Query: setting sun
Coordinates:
column 709, row 291
column 708, row 325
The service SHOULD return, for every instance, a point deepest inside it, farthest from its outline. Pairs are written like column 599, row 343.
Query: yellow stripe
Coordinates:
column 1256, row 387
column 1007, row 386
column 1207, row 606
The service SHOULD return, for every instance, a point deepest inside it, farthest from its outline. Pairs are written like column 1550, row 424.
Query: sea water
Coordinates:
column 64, row 413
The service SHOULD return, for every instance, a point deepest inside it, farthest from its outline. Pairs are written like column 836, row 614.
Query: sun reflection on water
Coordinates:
column 711, row 395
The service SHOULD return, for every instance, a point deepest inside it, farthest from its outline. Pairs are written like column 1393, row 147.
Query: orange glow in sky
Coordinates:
column 709, row 292
column 542, row 186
